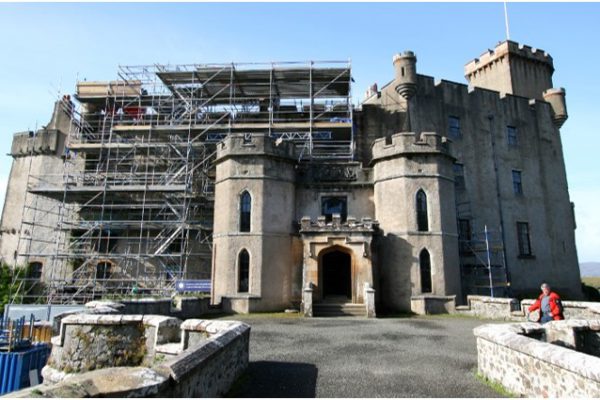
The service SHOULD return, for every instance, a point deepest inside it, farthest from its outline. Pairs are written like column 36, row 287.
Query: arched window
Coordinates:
column 35, row 270
column 425, row 267
column 245, row 208
column 422, row 221
column 103, row 270
column 243, row 271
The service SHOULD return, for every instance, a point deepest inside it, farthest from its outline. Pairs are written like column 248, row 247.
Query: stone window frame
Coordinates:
column 524, row 239
column 517, row 180
column 245, row 216
column 422, row 213
column 239, row 271
column 426, row 280
column 105, row 273
column 454, row 130
column 35, row 270
column 459, row 175
column 344, row 195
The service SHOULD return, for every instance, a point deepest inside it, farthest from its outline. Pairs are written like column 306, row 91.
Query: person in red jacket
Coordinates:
column 549, row 305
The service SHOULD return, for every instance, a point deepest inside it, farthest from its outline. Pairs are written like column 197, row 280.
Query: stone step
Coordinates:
column 339, row 310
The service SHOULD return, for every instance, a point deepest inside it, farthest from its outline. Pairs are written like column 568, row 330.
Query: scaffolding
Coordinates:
column 483, row 264
column 132, row 209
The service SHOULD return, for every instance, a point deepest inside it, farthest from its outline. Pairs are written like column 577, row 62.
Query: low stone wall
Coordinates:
column 547, row 360
column 196, row 358
column 431, row 304
column 510, row 309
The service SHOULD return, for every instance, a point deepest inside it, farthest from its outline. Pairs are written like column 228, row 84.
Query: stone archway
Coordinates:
column 335, row 267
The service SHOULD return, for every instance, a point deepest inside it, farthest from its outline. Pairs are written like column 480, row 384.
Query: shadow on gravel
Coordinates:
column 276, row 379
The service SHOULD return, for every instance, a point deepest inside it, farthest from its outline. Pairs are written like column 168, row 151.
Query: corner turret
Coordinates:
column 405, row 65
column 556, row 98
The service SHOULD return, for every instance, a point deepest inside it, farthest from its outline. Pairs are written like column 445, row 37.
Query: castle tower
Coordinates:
column 254, row 211
column 405, row 66
column 414, row 202
column 512, row 68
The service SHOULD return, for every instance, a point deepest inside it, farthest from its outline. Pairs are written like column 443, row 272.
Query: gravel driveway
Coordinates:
column 355, row 357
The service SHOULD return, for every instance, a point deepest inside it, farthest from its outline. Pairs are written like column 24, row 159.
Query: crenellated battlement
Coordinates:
column 239, row 144
column 406, row 143
column 511, row 48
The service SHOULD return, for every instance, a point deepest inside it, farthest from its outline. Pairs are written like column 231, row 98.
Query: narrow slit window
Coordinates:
column 422, row 219
column 243, row 272
column 245, row 211
column 425, row 267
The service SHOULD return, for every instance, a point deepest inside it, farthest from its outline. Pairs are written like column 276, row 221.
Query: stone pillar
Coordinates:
column 307, row 301
column 370, row 300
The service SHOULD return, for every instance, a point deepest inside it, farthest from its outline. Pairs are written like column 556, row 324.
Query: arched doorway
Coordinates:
column 336, row 273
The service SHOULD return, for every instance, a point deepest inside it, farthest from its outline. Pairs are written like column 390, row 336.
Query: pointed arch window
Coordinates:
column 422, row 221
column 425, row 267
column 245, row 211
column 243, row 271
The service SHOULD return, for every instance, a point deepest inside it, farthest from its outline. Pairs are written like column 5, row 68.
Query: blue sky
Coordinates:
column 47, row 47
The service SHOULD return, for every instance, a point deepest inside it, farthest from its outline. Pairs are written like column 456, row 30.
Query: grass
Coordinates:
column 495, row 386
column 593, row 281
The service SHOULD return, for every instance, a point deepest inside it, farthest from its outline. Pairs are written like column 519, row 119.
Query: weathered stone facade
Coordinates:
column 477, row 157
column 429, row 168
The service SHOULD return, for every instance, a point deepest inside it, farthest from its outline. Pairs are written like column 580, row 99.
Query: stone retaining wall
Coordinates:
column 196, row 358
column 510, row 309
column 536, row 360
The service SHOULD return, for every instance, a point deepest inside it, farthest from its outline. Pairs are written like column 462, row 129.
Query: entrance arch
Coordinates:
column 336, row 274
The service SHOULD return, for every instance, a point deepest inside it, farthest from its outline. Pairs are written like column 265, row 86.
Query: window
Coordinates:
column 459, row 176
column 453, row 127
column 523, row 238
column 35, row 270
column 245, row 209
column 103, row 270
column 517, row 185
column 243, row 271
column 511, row 135
column 464, row 235
column 425, row 267
column 422, row 221
column 334, row 205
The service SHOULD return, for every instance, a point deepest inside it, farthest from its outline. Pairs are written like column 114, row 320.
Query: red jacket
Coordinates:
column 555, row 306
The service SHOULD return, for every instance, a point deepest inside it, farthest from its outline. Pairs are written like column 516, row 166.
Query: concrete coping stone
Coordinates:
column 433, row 297
column 508, row 335
column 160, row 320
column 487, row 299
column 115, row 382
column 101, row 319
column 211, row 327
column 104, row 303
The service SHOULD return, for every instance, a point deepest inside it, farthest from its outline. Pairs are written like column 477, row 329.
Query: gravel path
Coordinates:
column 354, row 357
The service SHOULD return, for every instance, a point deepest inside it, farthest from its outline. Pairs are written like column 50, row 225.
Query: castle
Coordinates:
column 270, row 182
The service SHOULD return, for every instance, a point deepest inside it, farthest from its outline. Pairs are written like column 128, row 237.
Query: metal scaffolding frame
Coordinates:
column 134, row 202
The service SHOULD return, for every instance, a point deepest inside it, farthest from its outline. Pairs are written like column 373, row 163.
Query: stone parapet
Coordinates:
column 410, row 143
column 558, row 365
column 364, row 225
column 239, row 144
column 511, row 48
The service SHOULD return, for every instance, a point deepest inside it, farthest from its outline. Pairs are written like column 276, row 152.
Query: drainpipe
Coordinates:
column 500, row 213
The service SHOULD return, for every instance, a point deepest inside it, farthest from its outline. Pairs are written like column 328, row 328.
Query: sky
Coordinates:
column 45, row 48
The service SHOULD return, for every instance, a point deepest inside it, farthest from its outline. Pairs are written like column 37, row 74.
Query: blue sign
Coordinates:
column 193, row 285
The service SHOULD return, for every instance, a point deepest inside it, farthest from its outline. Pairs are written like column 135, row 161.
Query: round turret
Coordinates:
column 556, row 98
column 405, row 65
